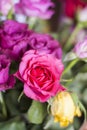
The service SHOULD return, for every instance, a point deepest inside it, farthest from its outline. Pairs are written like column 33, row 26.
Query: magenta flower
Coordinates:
column 14, row 38
column 6, row 81
column 5, row 6
column 81, row 49
column 45, row 43
column 40, row 73
column 37, row 8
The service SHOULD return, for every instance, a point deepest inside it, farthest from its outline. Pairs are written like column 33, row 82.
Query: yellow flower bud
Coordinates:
column 63, row 109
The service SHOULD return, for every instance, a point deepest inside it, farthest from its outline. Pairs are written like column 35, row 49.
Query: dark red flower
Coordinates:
column 71, row 7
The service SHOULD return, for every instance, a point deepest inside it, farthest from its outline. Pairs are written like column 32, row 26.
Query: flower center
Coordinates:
column 41, row 75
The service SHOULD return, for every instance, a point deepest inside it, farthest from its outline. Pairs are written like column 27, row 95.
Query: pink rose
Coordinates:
column 5, row 6
column 40, row 73
column 37, row 8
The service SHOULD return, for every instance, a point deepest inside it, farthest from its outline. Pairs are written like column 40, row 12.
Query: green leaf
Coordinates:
column 51, row 125
column 37, row 112
column 10, row 14
column 83, row 109
column 15, row 124
column 75, row 98
column 85, row 60
column 84, row 96
column 11, row 102
column 70, row 56
column 78, row 103
column 13, row 106
column 3, row 106
column 1, row 99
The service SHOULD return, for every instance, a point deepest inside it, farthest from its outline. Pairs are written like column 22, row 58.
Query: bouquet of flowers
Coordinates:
column 43, row 64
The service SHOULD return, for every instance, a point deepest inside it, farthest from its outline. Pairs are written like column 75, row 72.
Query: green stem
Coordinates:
column 73, row 35
column 20, row 96
column 84, row 110
column 10, row 14
column 4, row 111
column 72, row 63
column 32, row 22
column 66, row 80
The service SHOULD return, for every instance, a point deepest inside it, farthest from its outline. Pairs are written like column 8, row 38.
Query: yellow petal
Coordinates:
column 63, row 108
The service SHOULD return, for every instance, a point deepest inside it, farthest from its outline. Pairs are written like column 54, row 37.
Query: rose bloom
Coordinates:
column 80, row 49
column 6, row 81
column 14, row 38
column 40, row 73
column 5, row 6
column 37, row 8
column 71, row 6
column 63, row 109
column 45, row 43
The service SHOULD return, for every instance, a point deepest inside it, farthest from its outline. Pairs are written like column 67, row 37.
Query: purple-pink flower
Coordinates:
column 6, row 80
column 38, row 8
column 45, row 43
column 81, row 49
column 14, row 38
column 5, row 6
column 40, row 73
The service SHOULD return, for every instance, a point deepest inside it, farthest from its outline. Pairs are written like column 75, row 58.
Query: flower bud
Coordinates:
column 63, row 109
column 80, row 49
